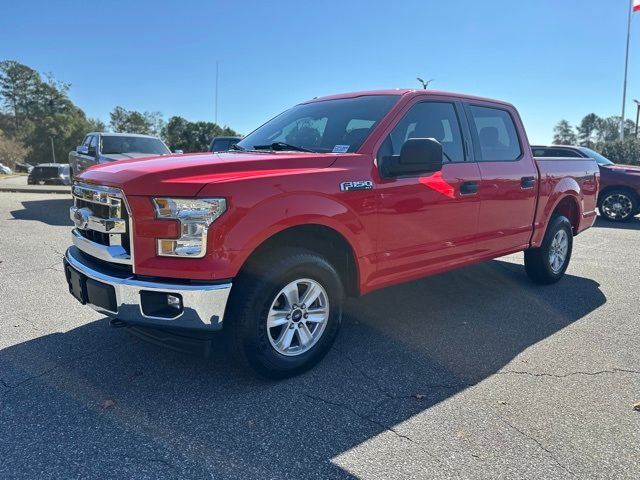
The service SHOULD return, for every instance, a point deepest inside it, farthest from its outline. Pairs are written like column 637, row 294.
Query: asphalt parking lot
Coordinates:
column 470, row 374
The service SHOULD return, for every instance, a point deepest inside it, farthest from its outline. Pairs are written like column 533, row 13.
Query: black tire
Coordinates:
column 252, row 296
column 537, row 261
column 628, row 201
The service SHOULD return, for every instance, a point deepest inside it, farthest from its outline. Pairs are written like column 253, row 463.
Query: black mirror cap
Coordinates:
column 425, row 152
column 418, row 156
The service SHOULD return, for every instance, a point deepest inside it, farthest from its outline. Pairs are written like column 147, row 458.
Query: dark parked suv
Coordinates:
column 222, row 144
column 49, row 174
column 619, row 198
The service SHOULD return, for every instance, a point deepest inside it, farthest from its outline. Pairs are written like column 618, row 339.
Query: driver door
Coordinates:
column 427, row 223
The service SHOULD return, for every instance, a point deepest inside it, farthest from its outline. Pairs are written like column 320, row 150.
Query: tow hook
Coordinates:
column 117, row 323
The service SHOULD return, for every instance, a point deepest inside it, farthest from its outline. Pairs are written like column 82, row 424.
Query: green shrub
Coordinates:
column 626, row 152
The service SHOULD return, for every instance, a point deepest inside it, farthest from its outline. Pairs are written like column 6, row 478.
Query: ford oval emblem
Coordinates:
column 81, row 218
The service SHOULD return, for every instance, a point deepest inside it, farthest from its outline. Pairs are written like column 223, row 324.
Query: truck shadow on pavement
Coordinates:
column 633, row 224
column 53, row 212
column 95, row 399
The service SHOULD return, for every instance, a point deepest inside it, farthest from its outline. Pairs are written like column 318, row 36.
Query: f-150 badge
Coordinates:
column 356, row 185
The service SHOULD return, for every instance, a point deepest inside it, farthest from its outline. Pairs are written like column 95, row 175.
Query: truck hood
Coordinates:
column 185, row 175
column 624, row 168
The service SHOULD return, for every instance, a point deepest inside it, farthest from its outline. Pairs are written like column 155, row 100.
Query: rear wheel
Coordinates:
column 548, row 263
column 618, row 205
column 284, row 313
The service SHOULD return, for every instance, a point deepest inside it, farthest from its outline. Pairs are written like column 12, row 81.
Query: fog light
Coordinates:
column 161, row 304
column 174, row 302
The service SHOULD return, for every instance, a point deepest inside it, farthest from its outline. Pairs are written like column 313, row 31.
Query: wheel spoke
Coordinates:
column 304, row 335
column 277, row 318
column 291, row 294
column 317, row 316
column 285, row 339
column 311, row 295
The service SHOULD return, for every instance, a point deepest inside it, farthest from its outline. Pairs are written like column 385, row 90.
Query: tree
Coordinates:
column 181, row 134
column 12, row 151
column 587, row 130
column 132, row 121
column 97, row 125
column 37, row 111
column 563, row 134
column 625, row 152
column 19, row 86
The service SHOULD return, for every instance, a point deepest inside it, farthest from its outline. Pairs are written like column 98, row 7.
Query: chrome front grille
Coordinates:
column 103, row 223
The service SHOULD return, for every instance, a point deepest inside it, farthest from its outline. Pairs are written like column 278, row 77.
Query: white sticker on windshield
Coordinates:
column 341, row 149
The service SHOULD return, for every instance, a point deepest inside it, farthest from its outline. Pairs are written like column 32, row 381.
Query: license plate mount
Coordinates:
column 77, row 284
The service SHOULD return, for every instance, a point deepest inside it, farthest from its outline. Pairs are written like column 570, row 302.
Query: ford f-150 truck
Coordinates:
column 336, row 197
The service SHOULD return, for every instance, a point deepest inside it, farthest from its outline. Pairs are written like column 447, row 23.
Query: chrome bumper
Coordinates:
column 203, row 305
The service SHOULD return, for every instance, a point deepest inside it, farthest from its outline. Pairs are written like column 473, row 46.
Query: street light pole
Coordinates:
column 637, row 116
column 626, row 69
column 53, row 150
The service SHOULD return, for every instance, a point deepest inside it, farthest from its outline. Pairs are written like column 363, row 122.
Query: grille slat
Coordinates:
column 104, row 202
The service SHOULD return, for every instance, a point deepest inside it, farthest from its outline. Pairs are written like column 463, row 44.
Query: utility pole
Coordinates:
column 216, row 110
column 626, row 69
column 637, row 115
column 53, row 150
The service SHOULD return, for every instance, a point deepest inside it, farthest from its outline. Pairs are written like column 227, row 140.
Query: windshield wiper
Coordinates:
column 235, row 146
column 280, row 146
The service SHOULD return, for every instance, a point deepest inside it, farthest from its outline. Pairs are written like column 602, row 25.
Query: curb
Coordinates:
column 12, row 175
column 35, row 189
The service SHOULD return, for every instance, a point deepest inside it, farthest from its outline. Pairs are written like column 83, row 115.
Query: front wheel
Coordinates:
column 285, row 312
column 618, row 205
column 548, row 263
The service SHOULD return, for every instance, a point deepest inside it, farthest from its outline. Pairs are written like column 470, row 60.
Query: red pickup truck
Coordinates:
column 338, row 196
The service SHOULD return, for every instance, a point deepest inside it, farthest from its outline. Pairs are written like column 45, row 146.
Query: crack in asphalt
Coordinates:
column 366, row 375
column 537, row 442
column 373, row 421
column 396, row 396
column 35, row 270
column 570, row 374
column 57, row 366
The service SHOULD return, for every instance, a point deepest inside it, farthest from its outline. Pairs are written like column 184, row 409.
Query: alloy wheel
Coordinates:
column 558, row 251
column 617, row 206
column 298, row 317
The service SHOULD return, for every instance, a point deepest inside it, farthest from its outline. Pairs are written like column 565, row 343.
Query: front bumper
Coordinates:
column 117, row 293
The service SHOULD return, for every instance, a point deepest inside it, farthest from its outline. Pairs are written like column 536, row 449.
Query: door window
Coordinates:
column 93, row 144
column 495, row 134
column 437, row 120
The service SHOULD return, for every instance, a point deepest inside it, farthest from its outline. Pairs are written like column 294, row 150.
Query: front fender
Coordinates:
column 240, row 231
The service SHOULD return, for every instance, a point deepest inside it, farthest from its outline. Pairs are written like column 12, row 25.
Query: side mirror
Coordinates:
column 417, row 156
column 178, row 152
column 82, row 149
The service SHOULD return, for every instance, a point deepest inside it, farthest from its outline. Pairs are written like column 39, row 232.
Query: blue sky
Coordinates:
column 552, row 58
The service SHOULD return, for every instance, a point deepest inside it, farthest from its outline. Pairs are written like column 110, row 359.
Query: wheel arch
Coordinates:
column 568, row 206
column 318, row 238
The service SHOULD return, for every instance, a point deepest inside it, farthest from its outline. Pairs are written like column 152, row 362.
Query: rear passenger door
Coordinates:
column 508, row 192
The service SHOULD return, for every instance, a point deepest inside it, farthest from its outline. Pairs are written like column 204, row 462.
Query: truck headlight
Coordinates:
column 195, row 215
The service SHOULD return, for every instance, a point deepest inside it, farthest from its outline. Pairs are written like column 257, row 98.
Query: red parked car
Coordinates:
column 338, row 196
column 619, row 198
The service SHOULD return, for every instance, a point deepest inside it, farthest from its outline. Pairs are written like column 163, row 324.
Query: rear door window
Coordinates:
column 555, row 152
column 495, row 134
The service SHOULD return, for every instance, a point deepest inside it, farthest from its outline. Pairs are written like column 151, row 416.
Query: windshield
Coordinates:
column 600, row 160
column 339, row 125
column 120, row 144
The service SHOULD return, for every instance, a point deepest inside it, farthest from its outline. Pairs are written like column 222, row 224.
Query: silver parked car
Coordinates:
column 100, row 147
